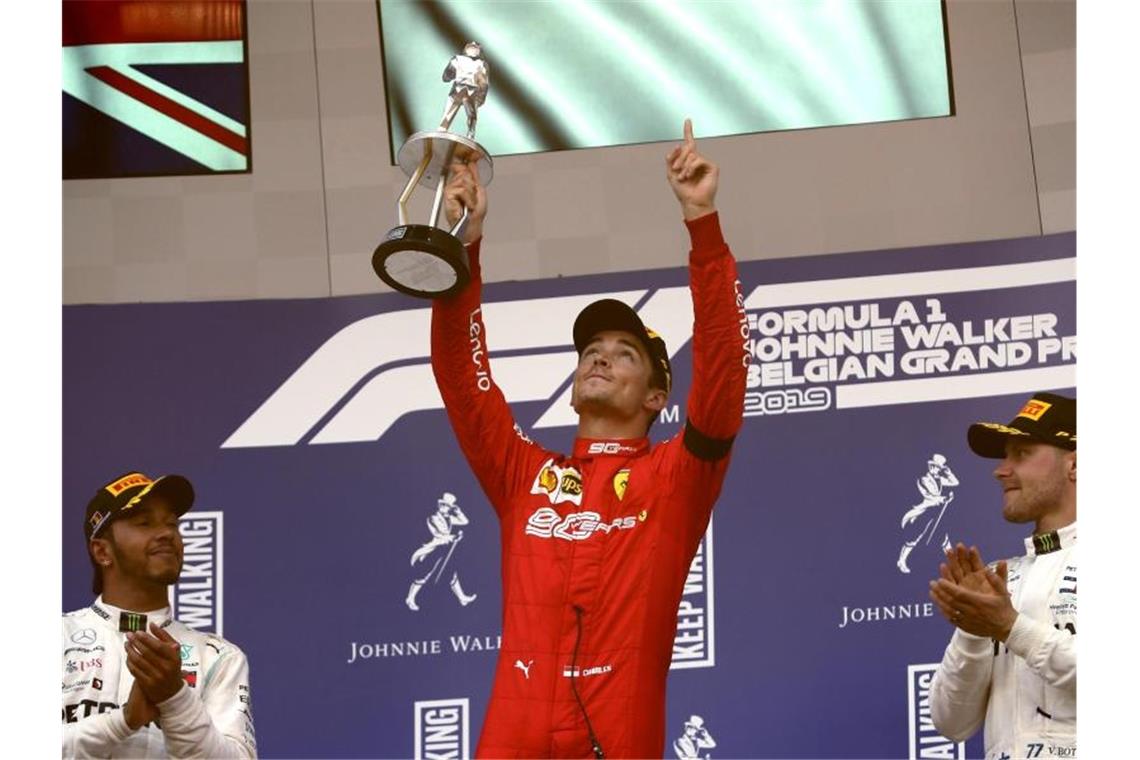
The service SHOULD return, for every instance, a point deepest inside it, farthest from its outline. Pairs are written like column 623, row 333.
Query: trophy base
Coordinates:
column 422, row 261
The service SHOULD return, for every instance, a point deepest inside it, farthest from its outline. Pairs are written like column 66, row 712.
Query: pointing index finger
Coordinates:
column 689, row 132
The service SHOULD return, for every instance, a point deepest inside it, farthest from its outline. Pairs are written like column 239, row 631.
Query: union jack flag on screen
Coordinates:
column 154, row 87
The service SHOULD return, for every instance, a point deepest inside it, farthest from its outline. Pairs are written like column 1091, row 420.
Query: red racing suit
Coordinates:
column 595, row 546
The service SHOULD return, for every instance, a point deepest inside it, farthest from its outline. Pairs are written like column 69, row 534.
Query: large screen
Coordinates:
column 589, row 73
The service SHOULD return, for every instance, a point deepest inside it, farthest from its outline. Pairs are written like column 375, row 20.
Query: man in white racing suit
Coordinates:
column 137, row 683
column 1013, row 659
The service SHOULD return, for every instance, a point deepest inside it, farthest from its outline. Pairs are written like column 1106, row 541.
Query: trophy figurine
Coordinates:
column 427, row 260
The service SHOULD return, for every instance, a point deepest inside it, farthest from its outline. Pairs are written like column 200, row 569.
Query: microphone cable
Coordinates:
column 594, row 743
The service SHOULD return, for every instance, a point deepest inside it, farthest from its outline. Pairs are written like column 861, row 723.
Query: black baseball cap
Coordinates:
column 126, row 491
column 1046, row 417
column 611, row 314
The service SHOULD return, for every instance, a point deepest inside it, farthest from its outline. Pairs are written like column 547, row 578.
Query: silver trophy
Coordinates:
column 427, row 260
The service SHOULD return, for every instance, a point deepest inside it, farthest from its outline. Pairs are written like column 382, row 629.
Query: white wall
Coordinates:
column 322, row 194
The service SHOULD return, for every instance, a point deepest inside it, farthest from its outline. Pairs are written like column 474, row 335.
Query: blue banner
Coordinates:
column 316, row 441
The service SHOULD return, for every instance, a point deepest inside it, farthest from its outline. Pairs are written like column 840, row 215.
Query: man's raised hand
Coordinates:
column 693, row 177
column 463, row 190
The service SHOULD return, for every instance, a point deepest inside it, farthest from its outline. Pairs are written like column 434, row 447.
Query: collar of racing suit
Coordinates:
column 587, row 448
column 112, row 615
column 1044, row 543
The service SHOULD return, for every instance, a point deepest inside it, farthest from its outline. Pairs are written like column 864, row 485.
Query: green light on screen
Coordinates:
column 587, row 73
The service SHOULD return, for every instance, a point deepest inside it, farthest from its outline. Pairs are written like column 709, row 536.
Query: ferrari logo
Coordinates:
column 621, row 480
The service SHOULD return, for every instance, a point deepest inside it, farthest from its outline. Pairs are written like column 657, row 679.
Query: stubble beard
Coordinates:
column 595, row 399
column 1030, row 504
column 151, row 574
column 168, row 577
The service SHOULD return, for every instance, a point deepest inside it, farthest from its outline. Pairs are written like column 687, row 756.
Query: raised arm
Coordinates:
column 492, row 443
column 720, row 328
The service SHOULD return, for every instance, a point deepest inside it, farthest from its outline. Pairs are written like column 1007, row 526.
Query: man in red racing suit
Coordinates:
column 596, row 546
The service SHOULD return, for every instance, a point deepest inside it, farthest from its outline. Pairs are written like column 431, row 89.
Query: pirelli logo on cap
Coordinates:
column 1033, row 409
column 127, row 481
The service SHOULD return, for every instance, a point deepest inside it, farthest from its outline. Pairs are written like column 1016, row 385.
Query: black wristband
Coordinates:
column 703, row 447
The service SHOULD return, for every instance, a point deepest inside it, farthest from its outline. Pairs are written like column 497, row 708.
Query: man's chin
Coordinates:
column 1012, row 513
column 167, row 574
column 592, row 403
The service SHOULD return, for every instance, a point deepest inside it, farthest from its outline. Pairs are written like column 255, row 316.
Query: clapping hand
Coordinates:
column 155, row 662
column 972, row 596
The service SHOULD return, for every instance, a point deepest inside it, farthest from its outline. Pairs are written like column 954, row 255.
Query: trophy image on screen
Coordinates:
column 427, row 260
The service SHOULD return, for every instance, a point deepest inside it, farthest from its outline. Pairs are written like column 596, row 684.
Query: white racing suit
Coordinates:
column 1026, row 688
column 208, row 717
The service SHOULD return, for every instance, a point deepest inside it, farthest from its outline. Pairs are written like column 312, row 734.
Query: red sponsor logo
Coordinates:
column 127, row 481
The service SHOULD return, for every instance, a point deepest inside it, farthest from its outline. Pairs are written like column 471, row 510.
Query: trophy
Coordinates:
column 427, row 260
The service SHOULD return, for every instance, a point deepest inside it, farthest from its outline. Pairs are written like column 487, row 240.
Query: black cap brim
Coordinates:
column 608, row 314
column 987, row 439
column 174, row 488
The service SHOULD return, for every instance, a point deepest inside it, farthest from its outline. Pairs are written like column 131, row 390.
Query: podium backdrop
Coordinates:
column 313, row 433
